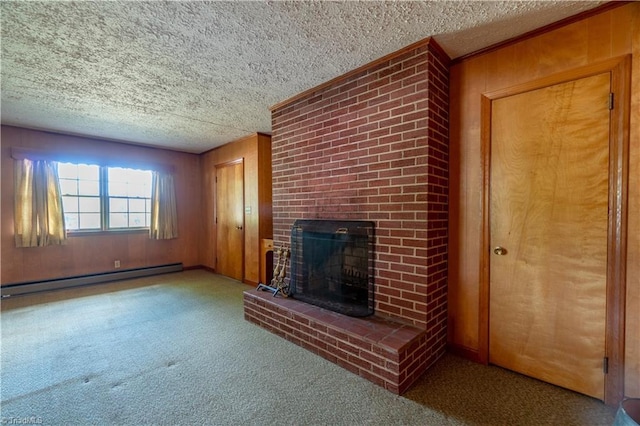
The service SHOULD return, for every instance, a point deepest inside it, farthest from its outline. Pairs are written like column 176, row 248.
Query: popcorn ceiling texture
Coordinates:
column 194, row 75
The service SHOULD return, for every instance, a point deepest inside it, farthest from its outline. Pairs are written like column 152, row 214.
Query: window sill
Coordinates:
column 73, row 234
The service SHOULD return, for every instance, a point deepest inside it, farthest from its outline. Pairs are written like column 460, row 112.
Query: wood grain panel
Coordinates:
column 265, row 189
column 265, row 198
column 598, row 38
column 632, row 341
column 501, row 69
column 256, row 152
column 464, row 231
column 549, row 209
column 252, row 216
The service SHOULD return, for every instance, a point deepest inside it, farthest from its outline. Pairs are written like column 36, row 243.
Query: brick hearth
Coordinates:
column 388, row 353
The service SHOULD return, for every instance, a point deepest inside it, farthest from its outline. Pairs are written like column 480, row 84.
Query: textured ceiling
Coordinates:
column 194, row 75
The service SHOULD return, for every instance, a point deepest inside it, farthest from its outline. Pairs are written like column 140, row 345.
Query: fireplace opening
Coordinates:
column 332, row 265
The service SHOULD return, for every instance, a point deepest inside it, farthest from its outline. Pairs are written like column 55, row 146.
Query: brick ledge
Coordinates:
column 386, row 352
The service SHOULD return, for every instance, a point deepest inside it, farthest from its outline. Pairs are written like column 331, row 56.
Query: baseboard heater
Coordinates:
column 82, row 280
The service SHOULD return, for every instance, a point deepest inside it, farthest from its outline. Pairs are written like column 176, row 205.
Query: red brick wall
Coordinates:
column 374, row 146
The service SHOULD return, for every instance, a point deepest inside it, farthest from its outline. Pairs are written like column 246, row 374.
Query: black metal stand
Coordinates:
column 265, row 287
column 279, row 282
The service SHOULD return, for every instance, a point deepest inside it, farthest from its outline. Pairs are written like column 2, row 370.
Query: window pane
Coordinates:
column 86, row 172
column 68, row 187
column 139, row 191
column 89, row 187
column 118, row 174
column 67, row 170
column 139, row 176
column 129, row 182
column 137, row 205
column 71, row 221
column 117, row 205
column 133, row 187
column 118, row 189
column 117, row 220
column 89, row 205
column 70, row 204
column 137, row 220
column 89, row 221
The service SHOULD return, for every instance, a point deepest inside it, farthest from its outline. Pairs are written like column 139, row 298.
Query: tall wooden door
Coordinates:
column 549, row 197
column 230, row 219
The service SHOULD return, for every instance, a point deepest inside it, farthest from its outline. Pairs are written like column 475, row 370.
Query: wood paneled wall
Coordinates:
column 96, row 254
column 611, row 34
column 255, row 150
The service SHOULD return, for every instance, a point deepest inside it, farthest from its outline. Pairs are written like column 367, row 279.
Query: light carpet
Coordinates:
column 175, row 349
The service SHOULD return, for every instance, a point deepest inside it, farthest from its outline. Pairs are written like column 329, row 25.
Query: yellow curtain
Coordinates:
column 38, row 218
column 164, row 219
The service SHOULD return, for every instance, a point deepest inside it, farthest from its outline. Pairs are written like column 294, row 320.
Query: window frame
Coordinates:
column 104, row 197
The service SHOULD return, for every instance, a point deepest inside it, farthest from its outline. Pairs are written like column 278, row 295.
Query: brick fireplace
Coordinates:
column 371, row 145
column 332, row 265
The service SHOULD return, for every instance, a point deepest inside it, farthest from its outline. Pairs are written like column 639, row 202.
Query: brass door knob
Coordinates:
column 500, row 251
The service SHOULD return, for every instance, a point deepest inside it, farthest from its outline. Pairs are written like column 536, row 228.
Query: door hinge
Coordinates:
column 605, row 365
column 610, row 101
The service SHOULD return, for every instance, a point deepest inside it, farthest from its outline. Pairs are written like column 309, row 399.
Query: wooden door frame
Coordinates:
column 620, row 69
column 215, row 207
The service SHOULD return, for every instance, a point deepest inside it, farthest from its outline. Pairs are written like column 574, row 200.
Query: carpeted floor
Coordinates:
column 175, row 349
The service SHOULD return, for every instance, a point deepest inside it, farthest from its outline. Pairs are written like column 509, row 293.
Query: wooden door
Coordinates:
column 549, row 185
column 230, row 220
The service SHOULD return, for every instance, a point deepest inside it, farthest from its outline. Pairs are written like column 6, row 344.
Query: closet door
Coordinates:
column 549, row 186
column 230, row 219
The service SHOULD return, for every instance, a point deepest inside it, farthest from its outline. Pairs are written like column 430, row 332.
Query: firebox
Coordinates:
column 332, row 265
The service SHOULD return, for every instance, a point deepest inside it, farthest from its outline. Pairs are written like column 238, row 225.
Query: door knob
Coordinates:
column 239, row 227
column 500, row 251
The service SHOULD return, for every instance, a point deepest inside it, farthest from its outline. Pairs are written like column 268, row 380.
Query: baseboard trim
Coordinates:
column 251, row 283
column 206, row 268
column 464, row 352
column 82, row 280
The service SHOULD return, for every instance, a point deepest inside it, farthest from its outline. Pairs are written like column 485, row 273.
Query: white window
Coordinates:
column 129, row 198
column 96, row 198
